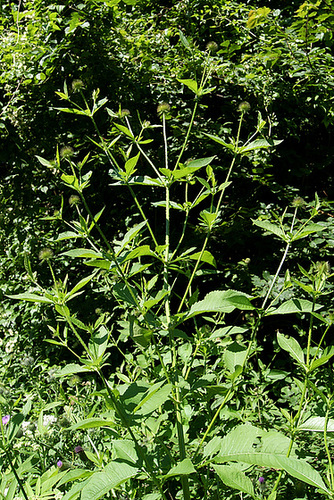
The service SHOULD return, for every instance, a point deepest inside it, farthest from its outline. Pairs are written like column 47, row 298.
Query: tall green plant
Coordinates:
column 164, row 404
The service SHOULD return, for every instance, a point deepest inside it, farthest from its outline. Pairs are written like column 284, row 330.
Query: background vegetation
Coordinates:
column 79, row 78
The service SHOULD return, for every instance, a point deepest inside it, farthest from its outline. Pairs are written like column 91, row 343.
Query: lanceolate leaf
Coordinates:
column 112, row 476
column 291, row 345
column 259, row 144
column 31, row 297
column 317, row 424
column 269, row 226
column 293, row 306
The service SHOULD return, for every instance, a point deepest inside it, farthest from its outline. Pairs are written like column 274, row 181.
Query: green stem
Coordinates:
column 214, row 418
column 330, row 462
column 16, row 474
column 282, row 261
column 187, row 134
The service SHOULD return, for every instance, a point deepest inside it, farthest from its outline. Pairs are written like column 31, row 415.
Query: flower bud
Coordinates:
column 45, row 254
column 74, row 199
column 66, row 152
column 244, row 107
column 163, row 108
column 77, row 85
column 212, row 47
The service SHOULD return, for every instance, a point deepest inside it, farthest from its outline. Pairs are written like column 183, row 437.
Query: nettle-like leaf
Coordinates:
column 112, row 476
column 221, row 301
column 293, row 306
column 233, row 477
column 317, row 424
column 254, row 446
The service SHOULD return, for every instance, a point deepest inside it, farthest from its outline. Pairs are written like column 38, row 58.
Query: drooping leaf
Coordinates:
column 31, row 297
column 269, row 226
column 235, row 478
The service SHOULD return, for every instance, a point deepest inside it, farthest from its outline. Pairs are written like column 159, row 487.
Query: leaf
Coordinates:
column 221, row 301
column 45, row 163
column 125, row 449
column 140, row 251
column 92, row 423
column 291, row 345
column 242, row 445
column 235, row 478
column 206, row 257
column 309, row 229
column 79, row 285
column 221, row 141
column 31, row 297
column 293, row 306
column 234, row 355
column 130, row 165
column 326, row 356
column 272, row 228
column 155, row 398
column 258, row 144
column 112, row 476
column 83, row 253
column 317, row 424
column 72, row 368
column 67, row 235
column 183, row 468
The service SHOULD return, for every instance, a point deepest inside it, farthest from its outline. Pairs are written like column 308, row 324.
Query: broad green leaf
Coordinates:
column 140, row 251
column 131, row 234
column 31, row 297
column 272, row 228
column 184, row 40
column 72, row 368
column 326, row 356
column 254, row 446
column 221, row 141
column 293, row 306
column 92, row 423
column 126, row 293
column 183, row 468
column 155, row 398
column 317, row 424
column 82, row 283
column 130, row 165
column 309, row 229
column 45, row 163
column 125, row 449
column 83, row 253
column 235, row 478
column 67, row 235
column 112, row 476
column 258, row 144
column 191, row 84
column 291, row 345
column 99, row 343
column 206, row 257
column 125, row 130
column 221, row 301
column 234, row 355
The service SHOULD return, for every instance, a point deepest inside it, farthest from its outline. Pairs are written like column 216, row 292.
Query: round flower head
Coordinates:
column 78, row 449
column 59, row 464
column 77, row 85
column 74, row 199
column 163, row 108
column 298, row 202
column 212, row 47
column 5, row 419
column 45, row 254
column 244, row 107
column 66, row 152
column 261, row 480
column 124, row 112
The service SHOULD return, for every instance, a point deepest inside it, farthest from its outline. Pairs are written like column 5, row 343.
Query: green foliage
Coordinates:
column 138, row 310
